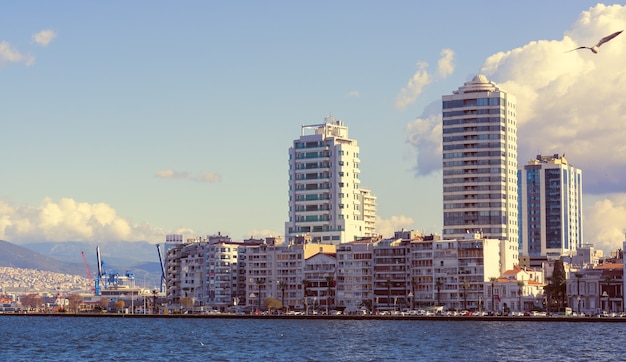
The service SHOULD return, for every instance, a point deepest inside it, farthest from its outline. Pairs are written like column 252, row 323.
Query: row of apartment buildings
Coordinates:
column 410, row 270
column 406, row 271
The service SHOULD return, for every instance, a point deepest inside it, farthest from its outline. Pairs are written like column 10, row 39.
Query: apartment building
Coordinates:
column 325, row 198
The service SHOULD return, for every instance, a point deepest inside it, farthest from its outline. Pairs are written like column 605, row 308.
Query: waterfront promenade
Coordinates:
column 557, row 318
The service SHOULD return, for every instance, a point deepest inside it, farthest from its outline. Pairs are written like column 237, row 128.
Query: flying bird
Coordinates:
column 596, row 47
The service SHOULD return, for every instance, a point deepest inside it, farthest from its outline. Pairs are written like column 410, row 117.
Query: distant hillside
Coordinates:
column 118, row 253
column 140, row 258
column 15, row 256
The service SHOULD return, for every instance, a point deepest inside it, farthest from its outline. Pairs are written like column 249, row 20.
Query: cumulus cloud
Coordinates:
column 424, row 133
column 568, row 103
column 604, row 222
column 421, row 78
column 209, row 177
column 8, row 54
column 69, row 220
column 572, row 102
column 44, row 37
column 386, row 227
column 445, row 65
column 414, row 87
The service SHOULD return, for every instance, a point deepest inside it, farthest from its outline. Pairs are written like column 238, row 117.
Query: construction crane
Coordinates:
column 89, row 275
column 162, row 267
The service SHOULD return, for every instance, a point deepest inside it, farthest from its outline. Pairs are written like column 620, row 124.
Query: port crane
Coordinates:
column 162, row 267
column 94, row 287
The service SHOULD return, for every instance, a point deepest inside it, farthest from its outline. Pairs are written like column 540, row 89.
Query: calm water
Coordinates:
column 166, row 339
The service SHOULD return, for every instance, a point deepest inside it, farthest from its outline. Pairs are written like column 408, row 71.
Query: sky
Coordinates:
column 132, row 120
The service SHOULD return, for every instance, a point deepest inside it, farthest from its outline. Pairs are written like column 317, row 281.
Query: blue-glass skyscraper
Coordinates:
column 550, row 199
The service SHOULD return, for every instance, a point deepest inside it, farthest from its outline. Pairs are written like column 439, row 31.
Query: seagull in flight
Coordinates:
column 596, row 48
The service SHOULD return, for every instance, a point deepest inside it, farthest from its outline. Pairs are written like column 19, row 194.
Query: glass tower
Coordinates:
column 480, row 162
column 550, row 207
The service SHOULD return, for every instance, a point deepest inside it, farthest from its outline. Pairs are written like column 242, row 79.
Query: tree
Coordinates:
column 330, row 281
column 520, row 285
column 259, row 283
column 389, row 293
column 32, row 300
column 559, row 283
column 103, row 303
column 493, row 284
column 578, row 277
column 282, row 285
column 305, row 285
column 439, row 284
column 119, row 305
column 608, row 280
column 272, row 303
column 414, row 284
column 74, row 301
column 186, row 302
column 465, row 286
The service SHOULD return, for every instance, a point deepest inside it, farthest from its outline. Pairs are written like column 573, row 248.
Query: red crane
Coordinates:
column 89, row 275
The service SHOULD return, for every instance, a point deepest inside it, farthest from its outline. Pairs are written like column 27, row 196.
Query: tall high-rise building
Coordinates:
column 550, row 207
column 480, row 162
column 326, row 203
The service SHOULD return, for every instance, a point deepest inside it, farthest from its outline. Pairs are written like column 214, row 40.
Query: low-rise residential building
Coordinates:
column 355, row 275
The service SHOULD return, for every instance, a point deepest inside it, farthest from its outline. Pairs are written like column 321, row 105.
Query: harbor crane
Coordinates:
column 162, row 267
column 89, row 275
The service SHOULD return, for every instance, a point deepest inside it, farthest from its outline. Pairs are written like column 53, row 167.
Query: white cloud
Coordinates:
column 421, row 78
column 44, row 37
column 572, row 102
column 568, row 103
column 414, row 87
column 425, row 135
column 69, row 220
column 209, row 177
column 604, row 222
column 386, row 227
column 446, row 63
column 8, row 54
column 353, row 93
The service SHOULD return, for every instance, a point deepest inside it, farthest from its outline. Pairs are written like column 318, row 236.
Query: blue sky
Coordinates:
column 130, row 120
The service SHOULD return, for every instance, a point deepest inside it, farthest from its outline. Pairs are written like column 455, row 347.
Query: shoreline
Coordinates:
column 325, row 317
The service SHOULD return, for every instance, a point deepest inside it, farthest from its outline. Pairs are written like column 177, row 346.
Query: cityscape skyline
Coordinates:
column 178, row 119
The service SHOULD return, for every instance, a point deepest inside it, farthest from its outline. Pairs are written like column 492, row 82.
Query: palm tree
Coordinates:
column 465, row 285
column 608, row 279
column 493, row 284
column 259, row 283
column 414, row 283
column 305, row 284
column 282, row 285
column 520, row 285
column 329, row 281
column 578, row 276
column 389, row 293
column 439, row 284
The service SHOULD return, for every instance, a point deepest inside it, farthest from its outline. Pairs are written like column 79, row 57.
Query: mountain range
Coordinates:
column 140, row 258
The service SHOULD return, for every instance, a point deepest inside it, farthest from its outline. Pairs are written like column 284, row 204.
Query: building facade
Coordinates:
column 325, row 198
column 550, row 196
column 480, row 161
